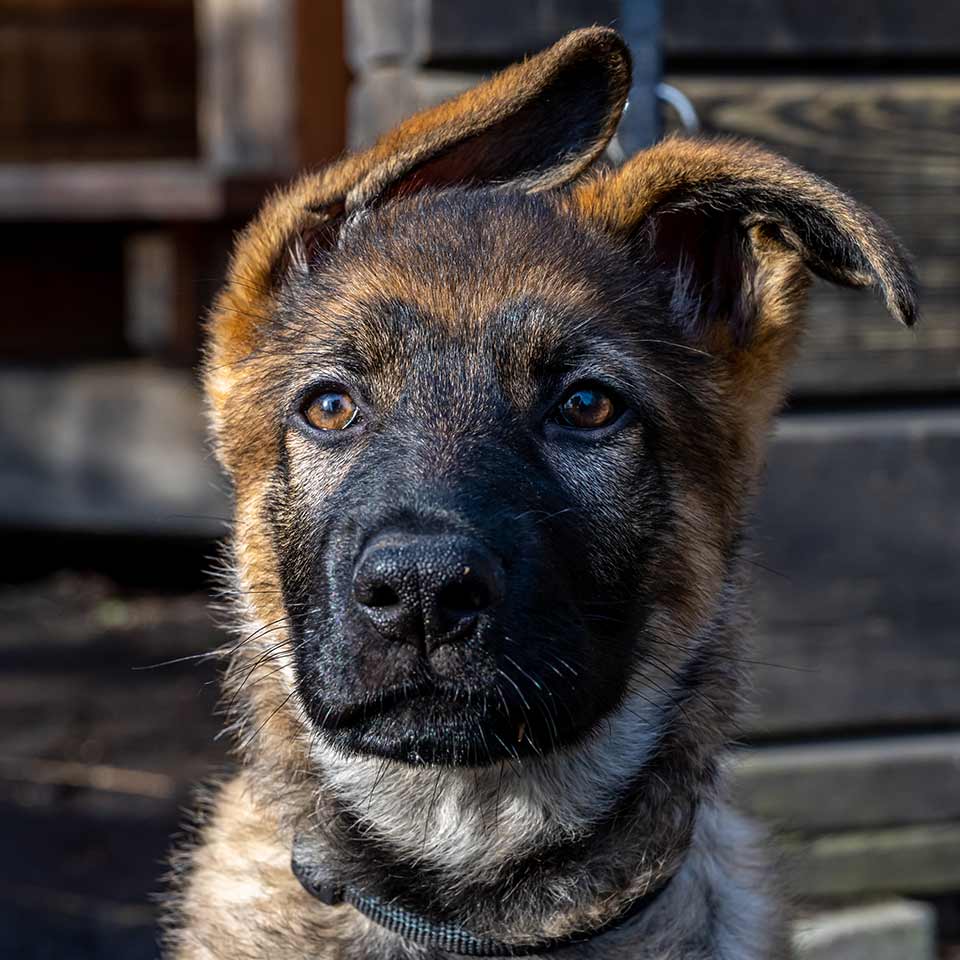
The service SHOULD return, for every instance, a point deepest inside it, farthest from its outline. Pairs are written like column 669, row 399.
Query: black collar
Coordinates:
column 446, row 936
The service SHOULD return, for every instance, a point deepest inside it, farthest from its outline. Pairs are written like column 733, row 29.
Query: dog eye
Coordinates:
column 587, row 408
column 331, row 410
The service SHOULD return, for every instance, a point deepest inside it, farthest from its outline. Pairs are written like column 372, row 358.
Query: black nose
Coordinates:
column 426, row 590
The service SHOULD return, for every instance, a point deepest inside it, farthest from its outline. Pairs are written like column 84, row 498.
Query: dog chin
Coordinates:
column 422, row 731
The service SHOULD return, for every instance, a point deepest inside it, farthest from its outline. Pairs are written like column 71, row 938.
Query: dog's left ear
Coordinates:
column 535, row 126
column 734, row 229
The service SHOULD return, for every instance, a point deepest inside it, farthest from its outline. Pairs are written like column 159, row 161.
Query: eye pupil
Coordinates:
column 332, row 410
column 587, row 408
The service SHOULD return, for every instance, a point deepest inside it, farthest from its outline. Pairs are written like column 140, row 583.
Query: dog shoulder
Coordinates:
column 732, row 881
column 237, row 897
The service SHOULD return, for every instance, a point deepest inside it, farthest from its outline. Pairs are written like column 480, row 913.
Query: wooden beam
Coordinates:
column 855, row 540
column 893, row 929
column 856, row 29
column 857, row 548
column 425, row 32
column 912, row 860
column 113, row 448
column 247, row 88
column 160, row 191
column 834, row 785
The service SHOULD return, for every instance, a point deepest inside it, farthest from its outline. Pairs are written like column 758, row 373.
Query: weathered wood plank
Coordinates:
column 151, row 191
column 97, row 80
column 435, row 31
column 859, row 28
column 858, row 545
column 247, row 110
column 852, row 784
column 888, row 930
column 108, row 448
column 910, row 860
column 894, row 144
column 430, row 31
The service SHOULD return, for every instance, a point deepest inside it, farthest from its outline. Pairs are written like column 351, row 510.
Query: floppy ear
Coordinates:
column 535, row 126
column 735, row 230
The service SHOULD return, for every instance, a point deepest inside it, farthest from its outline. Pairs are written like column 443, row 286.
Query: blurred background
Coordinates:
column 137, row 135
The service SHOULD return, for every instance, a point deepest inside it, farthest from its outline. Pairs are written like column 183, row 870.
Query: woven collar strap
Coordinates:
column 446, row 936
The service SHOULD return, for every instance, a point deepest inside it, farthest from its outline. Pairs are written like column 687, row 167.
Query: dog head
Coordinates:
column 492, row 421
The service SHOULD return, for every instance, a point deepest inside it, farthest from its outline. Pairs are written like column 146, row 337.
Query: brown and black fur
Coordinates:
column 567, row 757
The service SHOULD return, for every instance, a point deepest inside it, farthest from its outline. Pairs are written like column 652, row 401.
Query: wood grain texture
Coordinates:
column 84, row 80
column 893, row 143
column 111, row 447
column 247, row 84
column 911, row 860
column 794, row 28
column 858, row 547
column 143, row 191
column 852, row 784
column 438, row 31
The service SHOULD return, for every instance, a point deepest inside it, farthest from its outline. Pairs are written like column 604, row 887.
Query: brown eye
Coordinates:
column 331, row 411
column 587, row 408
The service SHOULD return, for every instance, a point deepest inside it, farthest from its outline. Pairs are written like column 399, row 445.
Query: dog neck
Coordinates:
column 574, row 838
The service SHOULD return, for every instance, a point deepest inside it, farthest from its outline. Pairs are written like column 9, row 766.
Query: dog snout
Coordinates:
column 426, row 590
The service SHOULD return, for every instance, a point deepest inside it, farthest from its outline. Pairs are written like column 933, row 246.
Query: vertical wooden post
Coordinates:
column 247, row 84
column 640, row 23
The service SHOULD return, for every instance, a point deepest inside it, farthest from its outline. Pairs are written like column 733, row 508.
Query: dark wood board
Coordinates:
column 143, row 191
column 395, row 31
column 857, row 784
column 917, row 860
column 858, row 549
column 61, row 307
column 118, row 447
column 821, row 28
column 84, row 80
column 438, row 31
column 893, row 143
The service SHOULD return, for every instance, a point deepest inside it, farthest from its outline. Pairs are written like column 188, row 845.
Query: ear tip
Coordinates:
column 908, row 307
column 600, row 43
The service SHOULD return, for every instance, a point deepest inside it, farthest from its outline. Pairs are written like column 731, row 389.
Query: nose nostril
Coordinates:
column 380, row 595
column 464, row 599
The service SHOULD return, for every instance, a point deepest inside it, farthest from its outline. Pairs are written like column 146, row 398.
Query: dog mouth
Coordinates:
column 437, row 724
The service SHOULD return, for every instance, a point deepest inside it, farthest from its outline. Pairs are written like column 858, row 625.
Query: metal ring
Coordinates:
column 682, row 106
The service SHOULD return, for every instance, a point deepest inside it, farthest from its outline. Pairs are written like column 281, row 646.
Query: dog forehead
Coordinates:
column 460, row 253
column 471, row 270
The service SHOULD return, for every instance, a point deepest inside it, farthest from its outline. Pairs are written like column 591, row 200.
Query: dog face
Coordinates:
column 475, row 517
column 492, row 440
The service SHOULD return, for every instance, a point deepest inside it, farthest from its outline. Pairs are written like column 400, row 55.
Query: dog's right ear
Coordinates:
column 535, row 126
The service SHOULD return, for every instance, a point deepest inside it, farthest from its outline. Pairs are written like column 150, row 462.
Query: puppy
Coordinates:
column 493, row 420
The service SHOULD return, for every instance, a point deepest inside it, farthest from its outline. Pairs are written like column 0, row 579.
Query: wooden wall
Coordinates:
column 856, row 731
